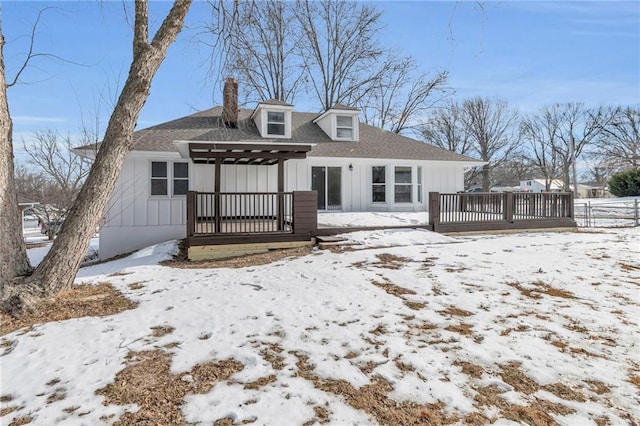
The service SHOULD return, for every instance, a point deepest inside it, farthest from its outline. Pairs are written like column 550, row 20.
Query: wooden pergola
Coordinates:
column 246, row 153
column 219, row 218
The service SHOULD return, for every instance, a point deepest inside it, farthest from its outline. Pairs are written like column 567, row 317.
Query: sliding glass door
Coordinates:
column 327, row 181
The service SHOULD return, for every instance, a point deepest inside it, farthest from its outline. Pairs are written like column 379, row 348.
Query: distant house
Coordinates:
column 270, row 149
column 539, row 185
column 592, row 190
column 25, row 204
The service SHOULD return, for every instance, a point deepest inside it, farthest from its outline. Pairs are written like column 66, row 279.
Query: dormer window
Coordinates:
column 273, row 119
column 275, row 123
column 344, row 127
column 340, row 123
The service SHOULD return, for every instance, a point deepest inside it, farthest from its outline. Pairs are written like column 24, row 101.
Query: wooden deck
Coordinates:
column 475, row 212
column 258, row 221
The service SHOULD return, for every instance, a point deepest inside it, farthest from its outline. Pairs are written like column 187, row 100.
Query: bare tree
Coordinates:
column 13, row 253
column 599, row 170
column 514, row 170
column 261, row 50
column 540, row 132
column 578, row 127
column 492, row 127
column 446, row 128
column 619, row 139
column 58, row 269
column 64, row 172
column 338, row 48
column 401, row 97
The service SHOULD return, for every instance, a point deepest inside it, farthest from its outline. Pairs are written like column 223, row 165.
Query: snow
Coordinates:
column 325, row 306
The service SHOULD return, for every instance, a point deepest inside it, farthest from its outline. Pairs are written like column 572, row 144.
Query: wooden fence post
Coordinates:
column 434, row 210
column 305, row 212
column 507, row 206
column 191, row 213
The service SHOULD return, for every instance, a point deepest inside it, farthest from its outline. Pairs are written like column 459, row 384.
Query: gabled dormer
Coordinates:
column 273, row 119
column 340, row 123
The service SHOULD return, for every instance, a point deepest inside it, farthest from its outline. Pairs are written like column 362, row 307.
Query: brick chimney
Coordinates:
column 230, row 103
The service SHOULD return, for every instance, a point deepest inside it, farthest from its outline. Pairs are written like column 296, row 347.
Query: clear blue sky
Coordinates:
column 530, row 53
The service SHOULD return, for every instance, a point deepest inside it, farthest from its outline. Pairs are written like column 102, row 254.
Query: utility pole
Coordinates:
column 573, row 166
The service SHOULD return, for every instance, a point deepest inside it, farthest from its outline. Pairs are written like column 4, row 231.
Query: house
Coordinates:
column 592, row 190
column 240, row 163
column 25, row 204
column 539, row 185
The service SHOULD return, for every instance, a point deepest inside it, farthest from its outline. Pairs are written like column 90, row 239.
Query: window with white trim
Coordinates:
column 344, row 127
column 403, row 186
column 275, row 123
column 180, row 178
column 160, row 178
column 378, row 184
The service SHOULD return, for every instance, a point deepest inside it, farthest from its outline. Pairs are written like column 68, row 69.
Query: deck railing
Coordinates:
column 226, row 213
column 505, row 210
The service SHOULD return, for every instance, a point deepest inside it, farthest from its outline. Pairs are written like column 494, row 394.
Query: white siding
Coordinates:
column 135, row 219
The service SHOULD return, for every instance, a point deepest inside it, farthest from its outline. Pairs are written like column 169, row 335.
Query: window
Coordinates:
column 402, row 193
column 275, row 123
column 180, row 178
column 344, row 127
column 159, row 178
column 419, row 184
column 379, row 187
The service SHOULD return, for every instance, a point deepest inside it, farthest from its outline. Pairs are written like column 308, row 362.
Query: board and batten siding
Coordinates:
column 135, row 219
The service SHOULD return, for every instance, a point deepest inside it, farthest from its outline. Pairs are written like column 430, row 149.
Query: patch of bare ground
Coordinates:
column 136, row 286
column 416, row 306
column 540, row 288
column 403, row 366
column 321, row 416
column 598, row 387
column 228, row 421
column 634, row 380
column 390, row 261
column 241, row 261
column 161, row 330
column 628, row 267
column 462, row 328
column 520, row 328
column 7, row 410
column 119, row 274
column 514, row 376
column 536, row 413
column 374, row 399
column 271, row 353
column 602, row 421
column 455, row 311
column 378, row 330
column 84, row 300
column 22, row 420
column 393, row 289
column 148, row 382
column 397, row 291
column 565, row 392
column 262, row 381
column 470, row 369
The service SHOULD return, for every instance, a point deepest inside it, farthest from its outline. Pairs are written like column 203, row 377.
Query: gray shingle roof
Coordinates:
column 207, row 125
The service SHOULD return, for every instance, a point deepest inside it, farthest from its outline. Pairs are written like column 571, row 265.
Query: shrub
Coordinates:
column 625, row 184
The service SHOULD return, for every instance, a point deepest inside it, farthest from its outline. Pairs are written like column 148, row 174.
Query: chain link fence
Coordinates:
column 604, row 213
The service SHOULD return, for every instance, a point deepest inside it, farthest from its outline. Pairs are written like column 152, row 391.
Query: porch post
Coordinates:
column 280, row 214
column 216, row 196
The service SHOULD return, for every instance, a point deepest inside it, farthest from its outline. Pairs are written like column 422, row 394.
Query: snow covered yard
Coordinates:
column 409, row 327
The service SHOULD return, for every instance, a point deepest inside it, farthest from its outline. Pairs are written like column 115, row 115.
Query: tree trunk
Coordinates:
column 13, row 254
column 58, row 269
